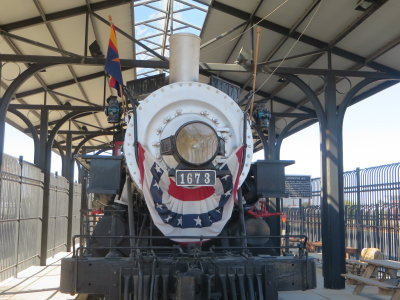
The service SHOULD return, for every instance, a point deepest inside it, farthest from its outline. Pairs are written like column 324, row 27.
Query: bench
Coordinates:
column 355, row 267
column 391, row 267
column 315, row 246
column 350, row 251
column 372, row 266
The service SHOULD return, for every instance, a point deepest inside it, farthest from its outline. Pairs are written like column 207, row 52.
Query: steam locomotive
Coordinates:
column 188, row 217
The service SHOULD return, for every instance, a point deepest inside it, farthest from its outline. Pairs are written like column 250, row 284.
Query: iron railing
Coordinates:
column 372, row 198
column 21, row 198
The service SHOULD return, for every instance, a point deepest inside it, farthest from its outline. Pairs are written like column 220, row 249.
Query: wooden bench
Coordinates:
column 317, row 246
column 390, row 268
column 355, row 267
column 350, row 251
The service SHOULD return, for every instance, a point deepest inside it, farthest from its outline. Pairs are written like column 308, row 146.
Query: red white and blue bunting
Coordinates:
column 189, row 211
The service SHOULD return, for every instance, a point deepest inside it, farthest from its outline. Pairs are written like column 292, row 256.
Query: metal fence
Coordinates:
column 21, row 198
column 372, row 198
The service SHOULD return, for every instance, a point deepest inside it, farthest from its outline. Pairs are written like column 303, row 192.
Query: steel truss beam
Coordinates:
column 83, row 132
column 94, row 148
column 265, row 94
column 35, row 43
column 68, row 13
column 297, row 35
column 332, row 43
column 218, row 67
column 63, row 84
column 101, row 74
column 84, row 114
column 81, row 60
column 56, row 107
column 339, row 73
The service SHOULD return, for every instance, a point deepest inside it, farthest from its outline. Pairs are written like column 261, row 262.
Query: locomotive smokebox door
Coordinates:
column 105, row 174
column 270, row 177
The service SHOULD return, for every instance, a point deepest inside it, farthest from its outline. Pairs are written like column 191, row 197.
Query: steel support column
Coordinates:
column 70, row 176
column 46, row 185
column 332, row 181
column 273, row 203
column 84, row 203
column 46, row 202
column 333, row 239
column 44, row 119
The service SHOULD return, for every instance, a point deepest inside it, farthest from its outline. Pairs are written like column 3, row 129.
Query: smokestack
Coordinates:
column 184, row 57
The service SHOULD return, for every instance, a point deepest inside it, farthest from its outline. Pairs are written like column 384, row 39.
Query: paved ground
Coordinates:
column 39, row 283
column 36, row 282
column 369, row 292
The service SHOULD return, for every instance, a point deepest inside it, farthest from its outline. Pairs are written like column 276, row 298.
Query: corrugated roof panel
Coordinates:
column 323, row 19
column 284, row 13
column 71, row 33
column 391, row 57
column 378, row 30
column 16, row 10
column 56, row 74
column 51, row 6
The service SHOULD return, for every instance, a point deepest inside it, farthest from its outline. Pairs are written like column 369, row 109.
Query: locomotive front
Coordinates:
column 190, row 150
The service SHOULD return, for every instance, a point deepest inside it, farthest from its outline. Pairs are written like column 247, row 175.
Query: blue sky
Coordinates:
column 371, row 132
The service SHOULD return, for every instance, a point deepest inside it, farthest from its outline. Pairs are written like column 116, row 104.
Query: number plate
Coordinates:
column 195, row 177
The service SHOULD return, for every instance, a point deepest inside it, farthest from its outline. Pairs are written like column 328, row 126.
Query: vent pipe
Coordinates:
column 184, row 57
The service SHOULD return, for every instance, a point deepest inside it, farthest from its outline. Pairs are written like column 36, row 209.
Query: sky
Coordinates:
column 371, row 135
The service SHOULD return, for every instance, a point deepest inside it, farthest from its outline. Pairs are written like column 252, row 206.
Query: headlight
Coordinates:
column 196, row 143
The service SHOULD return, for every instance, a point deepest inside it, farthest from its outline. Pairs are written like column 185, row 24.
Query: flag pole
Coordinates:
column 124, row 108
column 108, row 78
column 255, row 72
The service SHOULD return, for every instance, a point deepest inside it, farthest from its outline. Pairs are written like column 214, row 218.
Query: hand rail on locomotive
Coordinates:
column 301, row 246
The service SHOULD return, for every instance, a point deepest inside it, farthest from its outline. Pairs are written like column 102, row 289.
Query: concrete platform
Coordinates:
column 369, row 292
column 36, row 282
column 39, row 283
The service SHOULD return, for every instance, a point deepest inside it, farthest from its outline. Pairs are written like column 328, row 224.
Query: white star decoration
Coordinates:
column 225, row 177
column 218, row 210
column 168, row 218
column 228, row 193
column 156, row 185
column 180, row 221
column 198, row 221
column 158, row 169
column 159, row 205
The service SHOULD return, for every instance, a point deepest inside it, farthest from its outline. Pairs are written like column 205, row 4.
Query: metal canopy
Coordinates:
column 60, row 33
column 302, row 32
column 295, row 38
column 316, row 58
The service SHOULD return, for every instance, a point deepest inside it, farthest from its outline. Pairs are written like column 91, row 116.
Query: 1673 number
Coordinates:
column 195, row 177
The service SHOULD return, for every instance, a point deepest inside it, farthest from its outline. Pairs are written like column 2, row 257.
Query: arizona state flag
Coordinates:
column 113, row 64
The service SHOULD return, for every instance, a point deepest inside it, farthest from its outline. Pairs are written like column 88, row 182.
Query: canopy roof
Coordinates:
column 296, row 37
